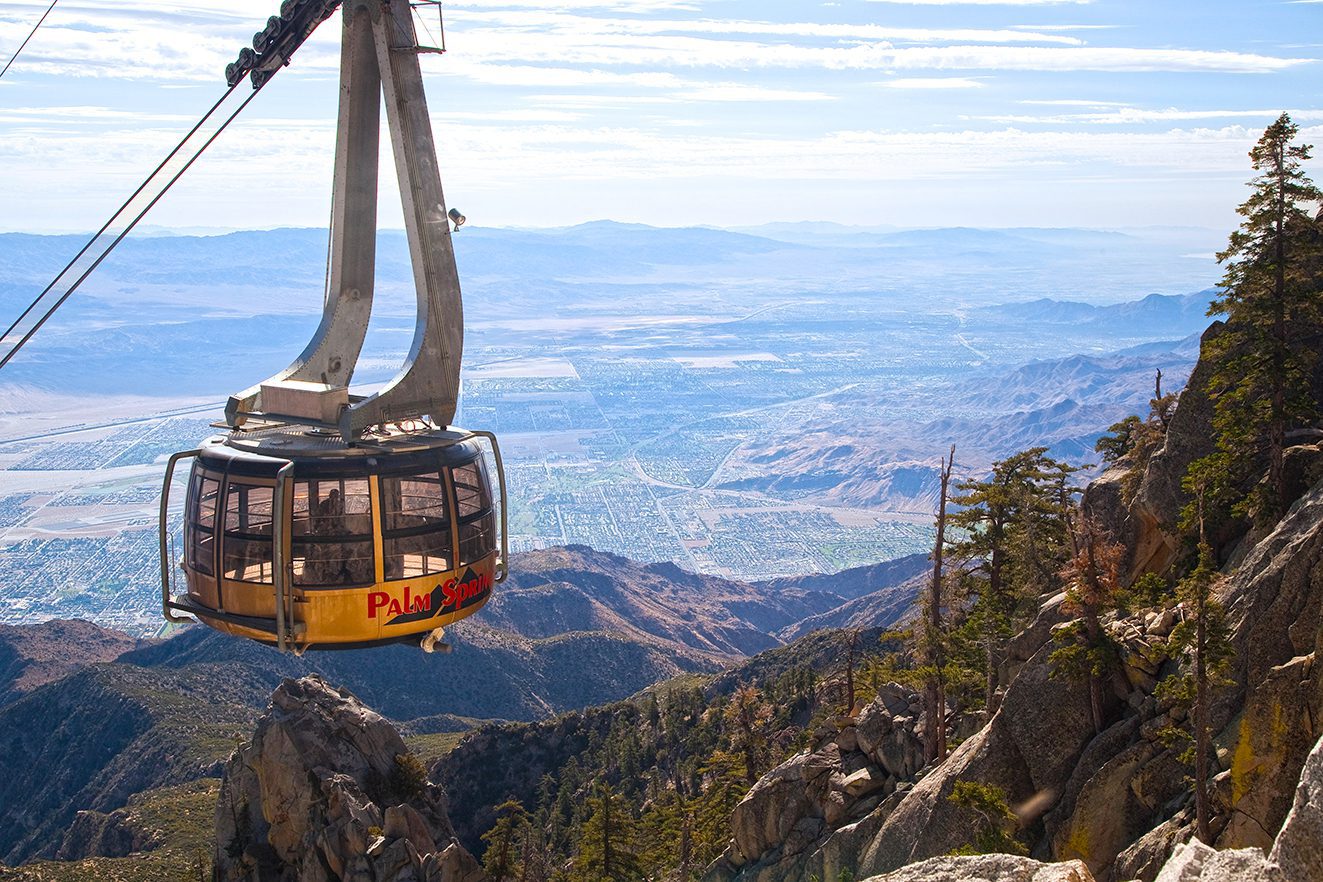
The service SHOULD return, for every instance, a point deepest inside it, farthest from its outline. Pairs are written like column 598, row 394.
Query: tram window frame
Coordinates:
column 395, row 534
column 201, row 536
column 479, row 530
column 477, row 525
column 482, row 490
column 357, row 548
column 244, row 534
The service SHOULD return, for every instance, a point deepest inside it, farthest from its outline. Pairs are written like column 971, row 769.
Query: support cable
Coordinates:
column 272, row 49
column 29, row 37
column 125, row 218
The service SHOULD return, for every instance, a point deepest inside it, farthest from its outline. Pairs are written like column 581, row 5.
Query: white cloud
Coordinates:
column 582, row 46
column 584, row 27
column 1073, row 102
column 740, row 92
column 635, row 6
column 612, row 168
column 986, row 2
column 1137, row 116
column 143, row 41
column 86, row 113
column 1065, row 27
column 556, row 77
column 193, row 41
column 932, row 83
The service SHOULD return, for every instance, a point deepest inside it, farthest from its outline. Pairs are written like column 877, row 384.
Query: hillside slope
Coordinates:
column 111, row 717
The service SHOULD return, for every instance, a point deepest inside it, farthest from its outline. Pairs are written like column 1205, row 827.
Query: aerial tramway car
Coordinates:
column 323, row 519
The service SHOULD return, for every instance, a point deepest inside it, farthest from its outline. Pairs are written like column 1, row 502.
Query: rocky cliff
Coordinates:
column 326, row 791
column 1296, row 856
column 861, row 766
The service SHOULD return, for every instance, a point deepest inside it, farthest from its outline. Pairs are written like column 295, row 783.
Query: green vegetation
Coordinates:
column 996, row 825
column 1093, row 579
column 1266, row 359
column 645, row 788
column 1263, row 386
column 1016, row 527
column 1133, row 441
column 430, row 748
column 177, row 822
column 652, row 791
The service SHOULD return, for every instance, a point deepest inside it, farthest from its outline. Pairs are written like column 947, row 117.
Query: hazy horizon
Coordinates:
column 936, row 113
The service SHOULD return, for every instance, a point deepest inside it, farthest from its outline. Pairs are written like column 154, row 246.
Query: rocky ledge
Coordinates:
column 327, row 791
column 1296, row 856
column 860, row 766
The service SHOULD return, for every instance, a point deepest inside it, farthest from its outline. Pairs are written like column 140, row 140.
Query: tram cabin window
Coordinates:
column 246, row 552
column 331, row 542
column 472, row 489
column 477, row 523
column 415, row 526
column 200, row 524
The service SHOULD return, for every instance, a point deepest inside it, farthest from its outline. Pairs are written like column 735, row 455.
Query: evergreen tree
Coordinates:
column 1120, row 440
column 501, row 860
column 667, row 833
column 1014, row 528
column 1203, row 636
column 1133, row 441
column 746, row 717
column 1093, row 579
column 607, row 841
column 1271, row 297
column 996, row 827
column 724, row 774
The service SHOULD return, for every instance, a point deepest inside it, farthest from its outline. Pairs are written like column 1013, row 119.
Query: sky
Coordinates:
column 992, row 113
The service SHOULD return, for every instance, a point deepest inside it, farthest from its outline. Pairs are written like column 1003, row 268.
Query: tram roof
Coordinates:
column 261, row 453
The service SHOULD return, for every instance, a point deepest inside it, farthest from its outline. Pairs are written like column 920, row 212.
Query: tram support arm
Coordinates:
column 280, row 569
column 163, row 529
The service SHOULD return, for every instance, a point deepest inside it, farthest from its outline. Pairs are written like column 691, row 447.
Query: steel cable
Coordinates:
column 22, row 45
column 114, row 230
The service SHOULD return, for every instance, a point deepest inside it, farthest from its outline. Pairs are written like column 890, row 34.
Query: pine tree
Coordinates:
column 724, row 777
column 996, row 828
column 667, row 833
column 1093, row 579
column 501, row 858
column 1014, row 540
column 607, row 841
column 746, row 717
column 1274, row 308
column 1203, row 636
column 1133, row 441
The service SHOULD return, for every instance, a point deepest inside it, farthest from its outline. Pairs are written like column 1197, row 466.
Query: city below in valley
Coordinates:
column 746, row 404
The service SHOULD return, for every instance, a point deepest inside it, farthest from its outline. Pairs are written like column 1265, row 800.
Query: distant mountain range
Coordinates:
column 868, row 458
column 256, row 292
column 1177, row 312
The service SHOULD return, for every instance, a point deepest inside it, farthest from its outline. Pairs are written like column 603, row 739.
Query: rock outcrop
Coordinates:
column 988, row 868
column 327, row 791
column 1299, row 847
column 859, row 764
column 1297, row 855
column 104, row 835
column 1146, row 523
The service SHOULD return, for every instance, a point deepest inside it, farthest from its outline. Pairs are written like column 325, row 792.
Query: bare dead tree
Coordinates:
column 934, row 747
